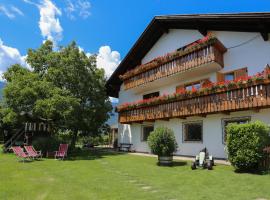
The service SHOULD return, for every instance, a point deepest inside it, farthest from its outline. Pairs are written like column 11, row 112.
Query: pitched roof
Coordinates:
column 242, row 22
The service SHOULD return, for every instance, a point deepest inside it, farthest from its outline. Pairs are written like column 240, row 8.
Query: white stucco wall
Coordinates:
column 171, row 41
column 212, row 132
column 254, row 55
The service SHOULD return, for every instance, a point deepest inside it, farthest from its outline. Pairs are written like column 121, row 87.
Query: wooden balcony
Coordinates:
column 249, row 97
column 205, row 56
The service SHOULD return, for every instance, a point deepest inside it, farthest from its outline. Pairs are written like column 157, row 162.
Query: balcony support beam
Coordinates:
column 203, row 31
column 152, row 121
column 202, row 115
column 226, row 112
column 265, row 35
column 182, row 117
column 164, row 119
column 256, row 110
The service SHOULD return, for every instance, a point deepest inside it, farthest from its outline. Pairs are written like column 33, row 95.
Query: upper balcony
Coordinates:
column 242, row 94
column 203, row 56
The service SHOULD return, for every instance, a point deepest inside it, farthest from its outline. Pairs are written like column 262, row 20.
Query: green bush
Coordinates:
column 162, row 141
column 46, row 144
column 245, row 144
column 90, row 140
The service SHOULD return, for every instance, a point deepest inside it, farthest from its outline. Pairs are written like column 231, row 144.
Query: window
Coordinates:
column 226, row 122
column 151, row 95
column 229, row 77
column 146, row 130
column 193, row 131
column 196, row 85
column 232, row 75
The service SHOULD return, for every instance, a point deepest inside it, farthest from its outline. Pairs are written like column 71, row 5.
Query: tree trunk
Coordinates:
column 74, row 139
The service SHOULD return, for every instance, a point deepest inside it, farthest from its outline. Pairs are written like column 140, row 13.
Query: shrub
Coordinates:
column 90, row 140
column 245, row 144
column 46, row 144
column 162, row 141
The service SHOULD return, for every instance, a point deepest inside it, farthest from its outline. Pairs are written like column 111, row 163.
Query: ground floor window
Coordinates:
column 226, row 122
column 193, row 131
column 146, row 130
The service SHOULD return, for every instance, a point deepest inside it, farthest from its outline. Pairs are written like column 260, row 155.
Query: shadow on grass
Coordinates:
column 174, row 164
column 253, row 172
column 92, row 154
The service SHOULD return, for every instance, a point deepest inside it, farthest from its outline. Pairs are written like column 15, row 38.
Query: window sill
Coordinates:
column 196, row 142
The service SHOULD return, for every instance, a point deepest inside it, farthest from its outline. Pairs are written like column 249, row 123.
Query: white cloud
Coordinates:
column 114, row 100
column 108, row 60
column 1, row 76
column 11, row 11
column 49, row 24
column 86, row 53
column 76, row 8
column 17, row 10
column 9, row 56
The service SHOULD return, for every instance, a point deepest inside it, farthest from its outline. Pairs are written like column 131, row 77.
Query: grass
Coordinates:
column 104, row 175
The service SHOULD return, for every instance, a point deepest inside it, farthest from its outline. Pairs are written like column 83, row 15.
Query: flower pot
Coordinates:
column 165, row 160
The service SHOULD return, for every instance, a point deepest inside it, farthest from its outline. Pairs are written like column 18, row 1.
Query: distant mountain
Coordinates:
column 2, row 85
column 113, row 116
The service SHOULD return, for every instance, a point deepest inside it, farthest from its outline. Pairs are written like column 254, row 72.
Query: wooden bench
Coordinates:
column 124, row 147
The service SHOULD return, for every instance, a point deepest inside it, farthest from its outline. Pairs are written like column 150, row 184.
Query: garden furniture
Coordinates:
column 62, row 152
column 32, row 152
column 124, row 147
column 18, row 151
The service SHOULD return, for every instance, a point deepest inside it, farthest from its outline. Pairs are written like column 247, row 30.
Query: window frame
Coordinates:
column 193, row 85
column 184, row 134
column 229, row 73
column 155, row 94
column 142, row 131
column 232, row 119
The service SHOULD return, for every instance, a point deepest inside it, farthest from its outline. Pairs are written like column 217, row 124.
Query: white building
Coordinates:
column 204, row 50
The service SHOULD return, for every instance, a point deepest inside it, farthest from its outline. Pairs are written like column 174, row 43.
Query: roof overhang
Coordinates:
column 240, row 22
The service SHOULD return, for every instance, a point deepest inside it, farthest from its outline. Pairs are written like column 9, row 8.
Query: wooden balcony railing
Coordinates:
column 250, row 97
column 212, row 53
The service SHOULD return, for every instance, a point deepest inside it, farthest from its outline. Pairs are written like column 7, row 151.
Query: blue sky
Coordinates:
column 106, row 27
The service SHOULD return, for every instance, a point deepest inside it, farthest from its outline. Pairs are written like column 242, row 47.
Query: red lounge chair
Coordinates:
column 62, row 152
column 32, row 152
column 20, row 153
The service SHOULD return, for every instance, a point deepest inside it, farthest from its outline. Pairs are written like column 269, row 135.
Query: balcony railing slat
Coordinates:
column 179, row 65
column 252, row 97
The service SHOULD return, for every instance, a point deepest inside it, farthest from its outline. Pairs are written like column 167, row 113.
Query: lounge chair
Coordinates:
column 32, row 152
column 20, row 153
column 62, row 152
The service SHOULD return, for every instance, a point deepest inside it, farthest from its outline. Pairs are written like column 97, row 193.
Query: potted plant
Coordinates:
column 162, row 143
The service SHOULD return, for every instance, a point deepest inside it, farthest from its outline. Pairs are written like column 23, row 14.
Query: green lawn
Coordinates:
column 121, row 176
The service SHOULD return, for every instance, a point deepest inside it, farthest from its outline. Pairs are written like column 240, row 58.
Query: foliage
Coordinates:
column 245, row 144
column 95, row 140
column 162, row 141
column 90, row 140
column 64, row 87
column 45, row 144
